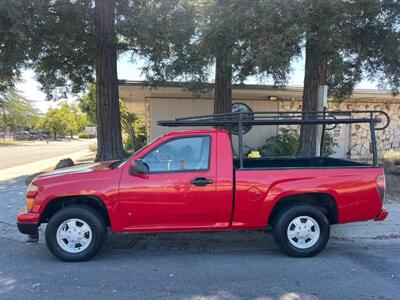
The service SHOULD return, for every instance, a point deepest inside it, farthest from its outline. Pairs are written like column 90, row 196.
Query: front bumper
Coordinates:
column 28, row 222
column 382, row 215
column 28, row 228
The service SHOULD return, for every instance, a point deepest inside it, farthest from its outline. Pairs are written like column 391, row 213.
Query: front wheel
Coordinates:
column 75, row 233
column 301, row 230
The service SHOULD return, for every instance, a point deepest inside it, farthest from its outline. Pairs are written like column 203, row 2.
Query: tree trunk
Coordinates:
column 72, row 136
column 109, row 139
column 315, row 75
column 223, row 85
column 55, row 134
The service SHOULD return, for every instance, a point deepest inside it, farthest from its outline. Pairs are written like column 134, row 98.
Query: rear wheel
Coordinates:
column 75, row 233
column 301, row 230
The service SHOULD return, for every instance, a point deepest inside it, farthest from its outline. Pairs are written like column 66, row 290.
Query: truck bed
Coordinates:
column 297, row 163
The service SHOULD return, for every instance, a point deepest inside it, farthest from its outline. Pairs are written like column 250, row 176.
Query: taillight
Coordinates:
column 381, row 186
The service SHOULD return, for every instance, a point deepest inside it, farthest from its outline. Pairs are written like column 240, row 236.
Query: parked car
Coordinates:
column 190, row 181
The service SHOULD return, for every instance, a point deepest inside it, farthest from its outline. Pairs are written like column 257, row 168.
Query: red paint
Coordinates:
column 235, row 200
column 382, row 215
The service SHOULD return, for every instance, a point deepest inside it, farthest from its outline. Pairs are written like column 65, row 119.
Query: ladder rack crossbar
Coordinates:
column 325, row 117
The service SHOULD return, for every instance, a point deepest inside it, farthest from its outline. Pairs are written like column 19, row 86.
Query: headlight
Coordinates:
column 30, row 196
column 32, row 190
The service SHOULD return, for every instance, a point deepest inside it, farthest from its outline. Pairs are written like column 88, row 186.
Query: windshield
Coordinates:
column 121, row 162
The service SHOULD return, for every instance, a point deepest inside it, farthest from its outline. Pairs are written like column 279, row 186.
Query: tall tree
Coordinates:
column 108, row 120
column 15, row 111
column 130, row 122
column 68, row 43
column 75, row 120
column 53, row 121
column 346, row 41
column 87, row 103
column 15, row 43
column 231, row 40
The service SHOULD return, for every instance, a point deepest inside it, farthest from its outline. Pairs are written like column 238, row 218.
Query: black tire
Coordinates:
column 86, row 214
column 286, row 216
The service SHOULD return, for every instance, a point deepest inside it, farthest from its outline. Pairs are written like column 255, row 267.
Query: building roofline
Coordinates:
column 178, row 84
column 209, row 85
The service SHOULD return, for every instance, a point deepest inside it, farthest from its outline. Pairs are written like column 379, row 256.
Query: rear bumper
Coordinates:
column 382, row 215
column 28, row 222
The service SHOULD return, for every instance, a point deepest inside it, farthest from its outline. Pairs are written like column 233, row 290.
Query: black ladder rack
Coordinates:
column 240, row 119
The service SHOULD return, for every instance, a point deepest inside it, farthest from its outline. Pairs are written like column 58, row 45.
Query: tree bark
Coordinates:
column 223, row 85
column 109, row 139
column 315, row 75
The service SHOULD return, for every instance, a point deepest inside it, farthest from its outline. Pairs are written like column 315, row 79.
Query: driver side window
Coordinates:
column 182, row 154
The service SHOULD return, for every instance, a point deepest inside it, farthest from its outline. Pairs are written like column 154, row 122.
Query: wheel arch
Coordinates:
column 324, row 201
column 60, row 202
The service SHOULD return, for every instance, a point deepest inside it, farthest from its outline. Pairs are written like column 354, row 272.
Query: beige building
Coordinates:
column 173, row 101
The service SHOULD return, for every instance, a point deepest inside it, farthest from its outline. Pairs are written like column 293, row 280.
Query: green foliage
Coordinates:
column 86, row 135
column 141, row 134
column 66, row 42
column 53, row 121
column 181, row 39
column 356, row 39
column 286, row 143
column 15, row 42
column 64, row 119
column 76, row 121
column 87, row 103
column 15, row 110
column 329, row 145
column 55, row 38
column 135, row 132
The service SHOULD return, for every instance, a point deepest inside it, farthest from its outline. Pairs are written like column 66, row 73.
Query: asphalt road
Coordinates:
column 168, row 267
column 11, row 156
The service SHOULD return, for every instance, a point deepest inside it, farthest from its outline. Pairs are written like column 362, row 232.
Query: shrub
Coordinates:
column 286, row 143
column 86, row 135
column 329, row 145
column 126, row 141
column 140, row 137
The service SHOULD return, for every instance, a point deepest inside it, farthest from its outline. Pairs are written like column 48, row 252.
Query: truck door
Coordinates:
column 178, row 191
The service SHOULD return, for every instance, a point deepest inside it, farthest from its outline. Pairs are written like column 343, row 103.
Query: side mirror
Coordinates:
column 138, row 167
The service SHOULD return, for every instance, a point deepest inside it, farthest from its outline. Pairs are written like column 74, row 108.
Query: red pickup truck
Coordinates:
column 190, row 181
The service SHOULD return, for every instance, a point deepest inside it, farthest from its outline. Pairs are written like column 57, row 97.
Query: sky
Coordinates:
column 129, row 70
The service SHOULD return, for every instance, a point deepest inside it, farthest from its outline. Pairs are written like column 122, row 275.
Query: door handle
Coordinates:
column 201, row 181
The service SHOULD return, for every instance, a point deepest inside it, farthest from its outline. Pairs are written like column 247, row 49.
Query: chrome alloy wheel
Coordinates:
column 74, row 235
column 303, row 232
